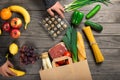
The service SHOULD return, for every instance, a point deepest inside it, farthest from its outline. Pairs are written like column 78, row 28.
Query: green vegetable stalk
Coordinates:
column 74, row 45
column 70, row 40
column 76, row 4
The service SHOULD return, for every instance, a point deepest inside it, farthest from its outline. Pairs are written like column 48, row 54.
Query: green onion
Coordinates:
column 76, row 4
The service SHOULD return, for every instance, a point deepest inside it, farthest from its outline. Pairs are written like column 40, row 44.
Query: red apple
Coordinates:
column 6, row 27
column 16, row 23
column 15, row 33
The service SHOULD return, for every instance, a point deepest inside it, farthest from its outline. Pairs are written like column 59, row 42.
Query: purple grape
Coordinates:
column 27, row 55
column 22, row 55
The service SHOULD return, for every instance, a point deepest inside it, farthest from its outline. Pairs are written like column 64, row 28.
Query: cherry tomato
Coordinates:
column 67, row 53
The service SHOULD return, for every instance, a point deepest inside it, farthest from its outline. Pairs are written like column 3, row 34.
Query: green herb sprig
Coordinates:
column 76, row 4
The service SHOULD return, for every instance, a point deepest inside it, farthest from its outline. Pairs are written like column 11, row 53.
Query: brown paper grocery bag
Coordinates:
column 72, row 71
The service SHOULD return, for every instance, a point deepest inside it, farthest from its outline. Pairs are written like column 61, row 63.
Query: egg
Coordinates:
column 49, row 22
column 52, row 25
column 51, row 32
column 59, row 19
column 62, row 22
column 55, row 22
column 58, row 26
column 49, row 28
column 58, row 32
column 61, row 29
column 46, row 25
column 54, row 35
column 55, row 29
column 52, row 19
column 46, row 19
column 65, row 26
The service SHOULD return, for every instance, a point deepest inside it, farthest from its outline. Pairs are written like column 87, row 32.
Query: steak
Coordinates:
column 57, row 51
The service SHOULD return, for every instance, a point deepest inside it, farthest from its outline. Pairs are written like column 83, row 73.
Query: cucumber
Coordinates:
column 94, row 25
column 93, row 11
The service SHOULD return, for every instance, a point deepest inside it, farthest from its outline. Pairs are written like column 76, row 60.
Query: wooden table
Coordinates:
column 108, row 39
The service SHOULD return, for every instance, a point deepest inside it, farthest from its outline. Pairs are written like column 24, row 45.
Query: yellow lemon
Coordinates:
column 13, row 48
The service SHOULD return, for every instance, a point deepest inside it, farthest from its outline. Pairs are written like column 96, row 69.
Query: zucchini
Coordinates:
column 93, row 11
column 94, row 25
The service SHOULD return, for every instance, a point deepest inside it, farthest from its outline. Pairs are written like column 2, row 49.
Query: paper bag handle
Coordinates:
column 60, row 59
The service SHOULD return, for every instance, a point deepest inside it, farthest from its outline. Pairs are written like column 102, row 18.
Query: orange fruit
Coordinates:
column 5, row 14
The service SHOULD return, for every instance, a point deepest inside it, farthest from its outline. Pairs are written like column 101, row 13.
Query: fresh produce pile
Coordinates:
column 72, row 44
column 13, row 49
column 12, row 26
column 73, row 41
column 27, row 55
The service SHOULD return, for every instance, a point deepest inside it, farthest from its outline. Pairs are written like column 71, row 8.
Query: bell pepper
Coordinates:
column 77, row 17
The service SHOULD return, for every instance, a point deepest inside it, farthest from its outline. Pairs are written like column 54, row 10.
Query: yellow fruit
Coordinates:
column 23, row 11
column 17, row 72
column 0, row 31
column 13, row 48
column 6, row 14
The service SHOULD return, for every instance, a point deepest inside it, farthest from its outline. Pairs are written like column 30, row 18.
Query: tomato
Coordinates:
column 67, row 53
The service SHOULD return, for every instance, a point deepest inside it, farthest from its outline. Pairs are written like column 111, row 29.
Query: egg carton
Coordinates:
column 55, row 26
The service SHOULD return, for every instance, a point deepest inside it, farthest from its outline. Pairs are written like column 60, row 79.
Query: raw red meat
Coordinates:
column 58, row 50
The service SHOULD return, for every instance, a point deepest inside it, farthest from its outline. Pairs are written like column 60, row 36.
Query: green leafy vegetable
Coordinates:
column 74, row 44
column 70, row 40
column 76, row 4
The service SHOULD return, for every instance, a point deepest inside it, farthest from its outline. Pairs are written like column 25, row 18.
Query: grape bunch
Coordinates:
column 27, row 55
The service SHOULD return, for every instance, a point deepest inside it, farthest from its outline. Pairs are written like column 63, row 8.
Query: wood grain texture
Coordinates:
column 108, row 40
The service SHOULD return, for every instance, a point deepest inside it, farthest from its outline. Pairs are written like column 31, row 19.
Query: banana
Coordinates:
column 23, row 11
column 0, row 31
column 17, row 72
